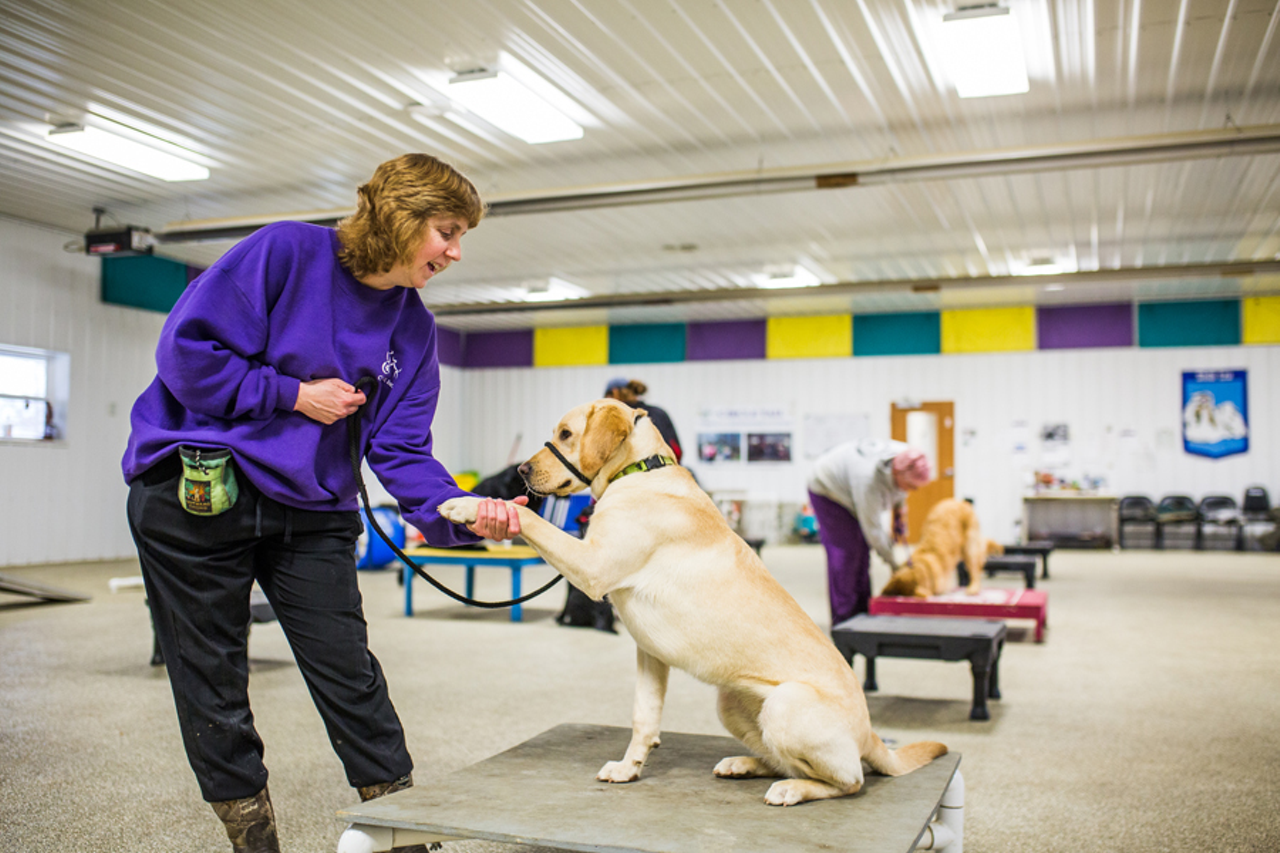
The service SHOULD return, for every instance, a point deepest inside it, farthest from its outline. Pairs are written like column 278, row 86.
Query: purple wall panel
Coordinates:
column 1080, row 326
column 449, row 346
column 498, row 349
column 733, row 339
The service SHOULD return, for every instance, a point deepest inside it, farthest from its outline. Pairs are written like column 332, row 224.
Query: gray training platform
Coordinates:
column 545, row 792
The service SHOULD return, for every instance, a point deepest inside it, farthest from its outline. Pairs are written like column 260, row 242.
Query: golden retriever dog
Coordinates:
column 950, row 532
column 695, row 596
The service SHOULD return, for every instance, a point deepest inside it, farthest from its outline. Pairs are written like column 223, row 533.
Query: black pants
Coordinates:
column 198, row 573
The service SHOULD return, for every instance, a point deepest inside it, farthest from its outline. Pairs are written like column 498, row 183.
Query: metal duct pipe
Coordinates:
column 684, row 297
column 1254, row 140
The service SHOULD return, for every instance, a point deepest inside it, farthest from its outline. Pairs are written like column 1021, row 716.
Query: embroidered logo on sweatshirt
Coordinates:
column 390, row 370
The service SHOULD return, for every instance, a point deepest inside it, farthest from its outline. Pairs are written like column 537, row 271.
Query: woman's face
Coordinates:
column 441, row 246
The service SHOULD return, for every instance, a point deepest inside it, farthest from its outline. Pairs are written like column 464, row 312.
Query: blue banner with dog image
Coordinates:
column 1215, row 412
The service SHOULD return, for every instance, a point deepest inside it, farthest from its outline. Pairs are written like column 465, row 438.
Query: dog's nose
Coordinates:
column 525, row 469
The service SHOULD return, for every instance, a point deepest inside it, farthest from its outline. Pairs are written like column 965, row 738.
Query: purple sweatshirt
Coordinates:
column 275, row 311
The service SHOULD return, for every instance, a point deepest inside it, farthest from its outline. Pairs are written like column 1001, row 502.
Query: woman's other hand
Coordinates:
column 498, row 520
column 328, row 400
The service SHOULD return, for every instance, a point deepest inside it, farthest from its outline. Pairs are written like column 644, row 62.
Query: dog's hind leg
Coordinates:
column 975, row 555
column 646, row 720
column 740, row 712
column 810, row 736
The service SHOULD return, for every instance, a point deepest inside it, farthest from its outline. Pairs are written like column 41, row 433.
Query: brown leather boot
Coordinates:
column 250, row 823
column 372, row 792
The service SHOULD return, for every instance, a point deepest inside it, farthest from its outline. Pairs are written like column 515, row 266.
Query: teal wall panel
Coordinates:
column 143, row 281
column 917, row 333
column 661, row 342
column 1206, row 323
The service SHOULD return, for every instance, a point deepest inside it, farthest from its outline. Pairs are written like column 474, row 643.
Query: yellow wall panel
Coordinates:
column 571, row 347
column 1262, row 320
column 809, row 337
column 989, row 330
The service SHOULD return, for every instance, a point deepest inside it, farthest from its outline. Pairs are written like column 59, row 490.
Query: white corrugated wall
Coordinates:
column 65, row 501
column 1123, row 408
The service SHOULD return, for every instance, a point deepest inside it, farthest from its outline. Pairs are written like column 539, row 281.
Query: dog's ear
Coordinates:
column 607, row 428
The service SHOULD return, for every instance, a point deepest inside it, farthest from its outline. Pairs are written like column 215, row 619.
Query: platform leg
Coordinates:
column 993, row 689
column 870, row 686
column 471, row 581
column 947, row 830
column 1044, row 567
column 516, row 614
column 981, row 685
column 408, row 591
column 367, row 838
column 1031, row 576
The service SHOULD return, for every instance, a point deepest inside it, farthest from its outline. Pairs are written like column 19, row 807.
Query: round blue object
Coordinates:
column 371, row 551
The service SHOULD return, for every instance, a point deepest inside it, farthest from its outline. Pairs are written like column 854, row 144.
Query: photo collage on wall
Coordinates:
column 734, row 435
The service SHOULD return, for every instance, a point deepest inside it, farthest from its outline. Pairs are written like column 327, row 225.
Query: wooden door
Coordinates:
column 929, row 427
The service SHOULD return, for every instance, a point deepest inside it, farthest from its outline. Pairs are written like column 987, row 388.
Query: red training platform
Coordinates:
column 987, row 604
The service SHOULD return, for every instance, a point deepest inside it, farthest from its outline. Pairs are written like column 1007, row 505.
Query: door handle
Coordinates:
column 950, row 472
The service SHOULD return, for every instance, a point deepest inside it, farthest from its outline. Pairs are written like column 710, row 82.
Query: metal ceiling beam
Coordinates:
column 853, row 288
column 1127, row 151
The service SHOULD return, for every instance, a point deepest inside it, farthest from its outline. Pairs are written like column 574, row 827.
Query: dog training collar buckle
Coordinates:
column 566, row 463
column 651, row 463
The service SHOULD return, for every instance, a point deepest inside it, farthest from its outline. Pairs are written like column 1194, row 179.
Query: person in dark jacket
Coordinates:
column 239, row 471
column 631, row 392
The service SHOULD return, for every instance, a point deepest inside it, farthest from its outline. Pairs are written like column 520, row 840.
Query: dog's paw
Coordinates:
column 618, row 771
column 739, row 767
column 459, row 510
column 786, row 792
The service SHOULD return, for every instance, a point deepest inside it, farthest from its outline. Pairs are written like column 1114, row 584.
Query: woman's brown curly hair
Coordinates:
column 393, row 208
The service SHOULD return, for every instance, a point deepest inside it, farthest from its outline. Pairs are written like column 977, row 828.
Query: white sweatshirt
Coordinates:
column 858, row 475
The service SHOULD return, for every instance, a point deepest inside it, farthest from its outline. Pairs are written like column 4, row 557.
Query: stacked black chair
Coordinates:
column 1138, row 528
column 1257, row 519
column 1177, row 522
column 1219, row 523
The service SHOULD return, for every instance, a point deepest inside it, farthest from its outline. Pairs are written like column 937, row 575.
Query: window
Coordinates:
column 33, row 394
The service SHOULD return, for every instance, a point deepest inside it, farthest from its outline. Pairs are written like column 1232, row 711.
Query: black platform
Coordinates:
column 977, row 641
column 1035, row 548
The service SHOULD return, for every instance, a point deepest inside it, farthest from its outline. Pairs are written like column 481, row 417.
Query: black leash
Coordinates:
column 353, row 435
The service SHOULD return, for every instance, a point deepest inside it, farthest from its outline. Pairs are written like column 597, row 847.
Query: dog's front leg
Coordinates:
column 589, row 564
column 646, row 720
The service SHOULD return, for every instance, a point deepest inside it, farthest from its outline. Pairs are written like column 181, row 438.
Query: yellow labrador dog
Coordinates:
column 695, row 596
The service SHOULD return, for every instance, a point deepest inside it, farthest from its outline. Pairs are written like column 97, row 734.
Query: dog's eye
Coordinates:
column 565, row 435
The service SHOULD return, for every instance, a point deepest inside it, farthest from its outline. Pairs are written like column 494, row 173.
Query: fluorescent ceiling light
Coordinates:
column 127, row 153
column 551, row 290
column 983, row 52
column 505, row 103
column 779, row 278
column 1042, row 266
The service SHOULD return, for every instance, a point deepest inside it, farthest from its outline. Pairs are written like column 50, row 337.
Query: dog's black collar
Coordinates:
column 575, row 472
column 566, row 463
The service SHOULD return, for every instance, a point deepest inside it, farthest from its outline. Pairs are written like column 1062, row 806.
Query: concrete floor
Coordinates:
column 1147, row 721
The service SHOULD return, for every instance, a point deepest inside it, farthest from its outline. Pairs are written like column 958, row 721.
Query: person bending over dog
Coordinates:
column 239, row 471
column 950, row 533
column 855, row 489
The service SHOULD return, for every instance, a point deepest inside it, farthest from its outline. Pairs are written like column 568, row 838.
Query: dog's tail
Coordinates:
column 897, row 762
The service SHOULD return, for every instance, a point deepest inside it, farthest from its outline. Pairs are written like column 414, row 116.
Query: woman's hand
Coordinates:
column 498, row 520
column 328, row 400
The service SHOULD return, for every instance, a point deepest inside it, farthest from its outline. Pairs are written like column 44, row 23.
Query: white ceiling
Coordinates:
column 293, row 104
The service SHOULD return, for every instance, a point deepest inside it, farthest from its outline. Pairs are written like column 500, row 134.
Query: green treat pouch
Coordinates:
column 208, row 484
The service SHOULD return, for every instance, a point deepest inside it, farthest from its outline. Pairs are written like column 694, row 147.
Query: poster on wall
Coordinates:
column 719, row 447
column 1215, row 412
column 768, row 447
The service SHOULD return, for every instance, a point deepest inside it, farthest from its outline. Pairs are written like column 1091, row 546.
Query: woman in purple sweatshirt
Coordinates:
column 239, row 471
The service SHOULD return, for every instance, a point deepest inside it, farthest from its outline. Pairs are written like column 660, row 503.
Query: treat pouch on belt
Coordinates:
column 208, row 483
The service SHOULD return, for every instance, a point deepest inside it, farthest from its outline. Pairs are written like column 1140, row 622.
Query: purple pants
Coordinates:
column 848, row 559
